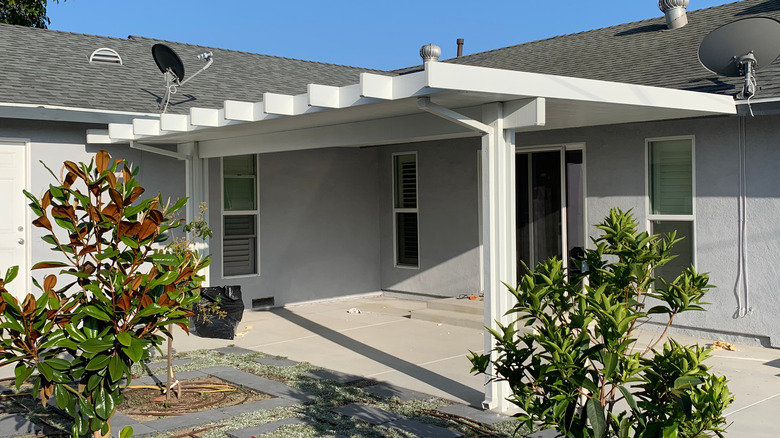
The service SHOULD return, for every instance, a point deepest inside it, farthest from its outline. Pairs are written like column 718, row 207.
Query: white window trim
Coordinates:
column 405, row 210
column 673, row 217
column 255, row 212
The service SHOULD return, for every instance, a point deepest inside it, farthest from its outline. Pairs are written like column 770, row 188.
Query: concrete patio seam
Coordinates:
column 316, row 335
column 753, row 404
column 430, row 362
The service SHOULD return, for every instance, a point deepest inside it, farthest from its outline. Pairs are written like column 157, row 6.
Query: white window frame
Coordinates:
column 255, row 212
column 563, row 148
column 673, row 217
column 406, row 210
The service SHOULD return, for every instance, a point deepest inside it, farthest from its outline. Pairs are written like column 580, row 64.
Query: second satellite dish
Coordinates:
column 172, row 69
column 740, row 47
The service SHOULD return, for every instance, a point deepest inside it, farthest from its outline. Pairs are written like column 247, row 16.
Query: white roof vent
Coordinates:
column 104, row 55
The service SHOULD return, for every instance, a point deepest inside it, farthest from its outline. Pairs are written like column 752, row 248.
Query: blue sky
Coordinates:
column 370, row 33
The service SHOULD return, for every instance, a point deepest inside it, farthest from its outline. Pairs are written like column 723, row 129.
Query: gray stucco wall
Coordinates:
column 448, row 200
column 319, row 216
column 55, row 142
column 615, row 165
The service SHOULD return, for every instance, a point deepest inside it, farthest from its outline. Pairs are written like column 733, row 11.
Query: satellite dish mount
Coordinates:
column 172, row 69
column 738, row 48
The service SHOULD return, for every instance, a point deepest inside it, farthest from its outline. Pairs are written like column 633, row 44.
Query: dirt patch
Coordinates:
column 198, row 395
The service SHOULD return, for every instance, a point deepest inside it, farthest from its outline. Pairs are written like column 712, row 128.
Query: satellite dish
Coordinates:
column 741, row 47
column 172, row 68
column 168, row 60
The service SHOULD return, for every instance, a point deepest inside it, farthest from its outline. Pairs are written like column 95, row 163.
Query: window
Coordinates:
column 405, row 211
column 671, row 195
column 239, row 215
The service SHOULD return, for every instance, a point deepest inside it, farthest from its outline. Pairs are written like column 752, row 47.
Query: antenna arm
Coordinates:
column 208, row 64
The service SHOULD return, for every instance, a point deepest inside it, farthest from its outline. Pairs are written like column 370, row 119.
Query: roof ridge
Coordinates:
column 600, row 29
column 136, row 37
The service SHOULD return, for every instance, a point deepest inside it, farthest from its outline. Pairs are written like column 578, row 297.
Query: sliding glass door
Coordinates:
column 550, row 205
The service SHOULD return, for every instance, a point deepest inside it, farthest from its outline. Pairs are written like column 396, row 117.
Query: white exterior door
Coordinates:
column 13, row 218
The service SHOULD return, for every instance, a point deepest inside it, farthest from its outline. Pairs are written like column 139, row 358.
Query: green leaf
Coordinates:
column 96, row 313
column 98, row 362
column 75, row 333
column 596, row 416
column 124, row 338
column 127, row 432
column 129, row 241
column 670, row 431
column 22, row 373
column 151, row 309
column 179, row 204
column 58, row 364
column 45, row 371
column 687, row 382
column 86, row 408
column 135, row 351
column 107, row 254
column 104, row 404
column 610, row 361
column 10, row 274
column 95, row 345
column 116, row 367
column 61, row 396
column 163, row 259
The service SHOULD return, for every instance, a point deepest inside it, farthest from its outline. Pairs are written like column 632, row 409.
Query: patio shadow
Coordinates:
column 449, row 386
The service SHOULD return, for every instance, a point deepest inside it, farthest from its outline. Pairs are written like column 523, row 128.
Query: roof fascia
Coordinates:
column 469, row 78
column 54, row 113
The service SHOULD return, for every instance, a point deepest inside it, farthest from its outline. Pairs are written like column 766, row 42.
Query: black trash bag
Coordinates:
column 218, row 313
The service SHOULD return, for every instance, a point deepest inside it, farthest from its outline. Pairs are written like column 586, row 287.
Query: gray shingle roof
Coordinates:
column 642, row 52
column 51, row 67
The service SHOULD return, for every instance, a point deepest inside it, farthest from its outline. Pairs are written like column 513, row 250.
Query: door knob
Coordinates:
column 20, row 228
column 21, row 241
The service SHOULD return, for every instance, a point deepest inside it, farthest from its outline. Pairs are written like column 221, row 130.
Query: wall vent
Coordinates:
column 262, row 303
column 104, row 55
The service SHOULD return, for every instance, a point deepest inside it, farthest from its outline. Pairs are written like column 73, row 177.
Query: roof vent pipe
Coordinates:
column 460, row 47
column 675, row 12
column 430, row 52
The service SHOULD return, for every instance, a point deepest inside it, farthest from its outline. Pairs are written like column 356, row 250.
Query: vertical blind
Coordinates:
column 239, row 245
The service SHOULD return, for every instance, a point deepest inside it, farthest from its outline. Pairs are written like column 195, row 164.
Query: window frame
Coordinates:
column 651, row 217
column 397, row 210
column 255, row 212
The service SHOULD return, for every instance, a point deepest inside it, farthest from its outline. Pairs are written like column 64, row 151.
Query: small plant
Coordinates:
column 574, row 369
column 121, row 292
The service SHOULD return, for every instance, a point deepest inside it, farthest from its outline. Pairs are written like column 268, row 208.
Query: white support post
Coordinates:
column 196, row 190
column 498, row 237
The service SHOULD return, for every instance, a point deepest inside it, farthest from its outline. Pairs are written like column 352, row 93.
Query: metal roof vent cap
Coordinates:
column 675, row 12
column 430, row 52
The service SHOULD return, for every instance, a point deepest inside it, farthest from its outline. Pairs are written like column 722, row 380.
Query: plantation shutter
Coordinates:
column 240, row 212
column 405, row 203
column 671, row 177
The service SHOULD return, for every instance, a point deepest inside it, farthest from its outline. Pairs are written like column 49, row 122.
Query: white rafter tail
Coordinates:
column 280, row 104
column 240, row 111
column 99, row 136
column 410, row 85
column 525, row 112
column 376, row 86
column 146, row 127
column 352, row 95
column 324, row 96
column 176, row 123
column 208, row 117
column 121, row 131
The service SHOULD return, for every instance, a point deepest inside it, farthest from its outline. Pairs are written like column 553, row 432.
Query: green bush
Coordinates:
column 122, row 292
column 578, row 370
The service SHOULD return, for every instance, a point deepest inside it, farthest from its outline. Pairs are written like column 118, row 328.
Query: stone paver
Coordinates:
column 276, row 361
column 421, row 429
column 16, row 425
column 335, row 376
column 484, row 417
column 366, row 413
column 259, row 384
column 264, row 428
column 233, row 350
column 387, row 390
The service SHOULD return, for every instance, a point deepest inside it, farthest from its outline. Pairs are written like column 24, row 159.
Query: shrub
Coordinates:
column 122, row 294
column 574, row 371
